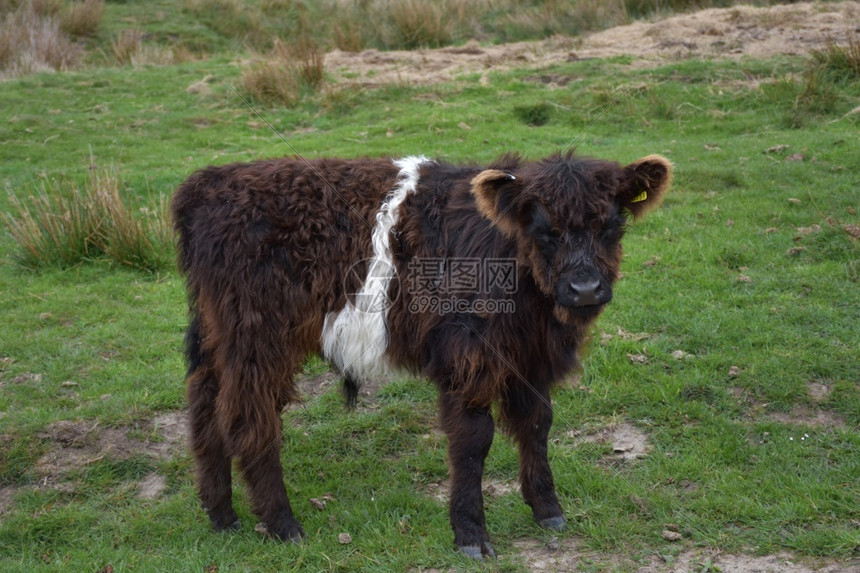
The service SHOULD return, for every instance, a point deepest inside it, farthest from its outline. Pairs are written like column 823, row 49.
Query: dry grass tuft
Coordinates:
column 420, row 24
column 285, row 72
column 127, row 48
column 309, row 63
column 126, row 45
column 46, row 7
column 563, row 17
column 839, row 62
column 55, row 227
column 404, row 24
column 135, row 238
column 63, row 225
column 80, row 19
column 268, row 79
column 31, row 40
column 348, row 34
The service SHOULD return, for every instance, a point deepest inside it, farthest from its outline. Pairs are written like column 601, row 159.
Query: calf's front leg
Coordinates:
column 470, row 434
column 527, row 415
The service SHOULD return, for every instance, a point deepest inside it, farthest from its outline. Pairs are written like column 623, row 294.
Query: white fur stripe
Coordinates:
column 355, row 338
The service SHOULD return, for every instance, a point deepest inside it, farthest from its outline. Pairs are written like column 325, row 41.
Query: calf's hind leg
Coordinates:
column 262, row 470
column 213, row 461
column 207, row 444
column 249, row 408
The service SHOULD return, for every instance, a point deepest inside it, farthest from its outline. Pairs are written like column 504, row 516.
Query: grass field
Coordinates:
column 730, row 348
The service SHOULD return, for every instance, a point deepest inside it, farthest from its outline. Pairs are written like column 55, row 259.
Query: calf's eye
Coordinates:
column 547, row 241
column 611, row 233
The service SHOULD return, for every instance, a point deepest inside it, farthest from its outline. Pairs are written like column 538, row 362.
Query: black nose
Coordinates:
column 589, row 292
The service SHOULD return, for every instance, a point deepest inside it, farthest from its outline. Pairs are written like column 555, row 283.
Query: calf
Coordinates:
column 484, row 280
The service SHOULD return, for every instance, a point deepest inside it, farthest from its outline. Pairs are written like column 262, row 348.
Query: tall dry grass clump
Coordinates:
column 127, row 48
column 308, row 61
column 79, row 19
column 404, row 24
column 348, row 33
column 269, row 79
column 31, row 40
column 138, row 238
column 354, row 25
column 839, row 62
column 63, row 225
column 126, row 45
column 542, row 19
column 285, row 73
column 55, row 227
column 419, row 24
column 815, row 92
column 409, row 24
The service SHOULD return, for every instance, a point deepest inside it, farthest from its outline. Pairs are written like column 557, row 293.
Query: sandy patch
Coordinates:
column 491, row 488
column 628, row 442
column 813, row 418
column 698, row 560
column 77, row 444
column 563, row 555
column 758, row 32
column 819, row 392
column 554, row 555
column 6, row 495
column 312, row 388
column 151, row 486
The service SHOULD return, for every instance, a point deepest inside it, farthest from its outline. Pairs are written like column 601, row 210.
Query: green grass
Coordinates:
column 736, row 458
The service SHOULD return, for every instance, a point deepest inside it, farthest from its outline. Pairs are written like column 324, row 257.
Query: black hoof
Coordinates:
column 235, row 526
column 476, row 552
column 557, row 523
column 224, row 520
column 287, row 533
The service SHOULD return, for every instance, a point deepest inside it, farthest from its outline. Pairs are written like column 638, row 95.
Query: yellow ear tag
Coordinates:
column 641, row 197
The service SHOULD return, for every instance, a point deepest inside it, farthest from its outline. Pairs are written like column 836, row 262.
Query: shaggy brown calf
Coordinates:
column 483, row 280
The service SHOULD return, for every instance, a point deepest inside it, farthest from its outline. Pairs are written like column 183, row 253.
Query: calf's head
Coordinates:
column 567, row 216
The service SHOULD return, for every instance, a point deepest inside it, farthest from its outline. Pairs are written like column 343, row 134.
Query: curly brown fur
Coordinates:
column 273, row 250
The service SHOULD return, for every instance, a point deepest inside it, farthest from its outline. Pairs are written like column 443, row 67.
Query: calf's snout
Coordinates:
column 587, row 290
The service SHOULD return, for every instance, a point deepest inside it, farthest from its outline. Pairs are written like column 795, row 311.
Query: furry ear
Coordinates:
column 644, row 183
column 495, row 192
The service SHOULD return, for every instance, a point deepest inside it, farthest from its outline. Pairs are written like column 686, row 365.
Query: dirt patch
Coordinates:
column 491, row 488
column 628, row 442
column 173, row 429
column 812, row 417
column 703, row 560
column 554, row 555
column 151, row 487
column 311, row 388
column 565, row 554
column 758, row 32
column 77, row 444
column 27, row 378
column 552, row 80
column 819, row 392
column 6, row 495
